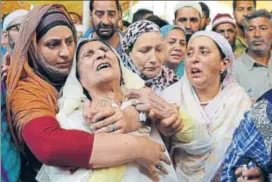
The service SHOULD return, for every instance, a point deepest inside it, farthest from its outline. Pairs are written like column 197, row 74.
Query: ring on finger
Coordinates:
column 111, row 128
column 159, row 166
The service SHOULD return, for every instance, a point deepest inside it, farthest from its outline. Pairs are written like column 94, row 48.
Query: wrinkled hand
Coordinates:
column 170, row 121
column 252, row 175
column 151, row 156
column 142, row 96
column 5, row 67
column 171, row 125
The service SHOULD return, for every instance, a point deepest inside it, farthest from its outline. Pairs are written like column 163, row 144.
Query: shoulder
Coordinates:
column 172, row 92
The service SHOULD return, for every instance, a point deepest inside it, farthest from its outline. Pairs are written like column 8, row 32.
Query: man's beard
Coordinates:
column 11, row 42
column 104, row 36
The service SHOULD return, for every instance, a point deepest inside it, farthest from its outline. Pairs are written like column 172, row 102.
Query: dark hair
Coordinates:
column 205, row 9
column 118, row 7
column 257, row 14
column 139, row 15
column 74, row 13
column 234, row 4
column 77, row 56
column 126, row 23
column 157, row 20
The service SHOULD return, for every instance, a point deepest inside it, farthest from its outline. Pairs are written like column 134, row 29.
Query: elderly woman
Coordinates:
column 41, row 62
column 216, row 103
column 103, row 84
column 144, row 45
column 175, row 48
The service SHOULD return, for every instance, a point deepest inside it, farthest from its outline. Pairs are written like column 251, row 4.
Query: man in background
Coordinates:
column 205, row 20
column 189, row 15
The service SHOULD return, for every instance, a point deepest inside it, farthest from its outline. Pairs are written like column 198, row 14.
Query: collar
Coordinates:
column 251, row 63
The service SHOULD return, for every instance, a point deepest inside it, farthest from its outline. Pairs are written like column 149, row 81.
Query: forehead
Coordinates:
column 104, row 5
column 94, row 45
column 244, row 4
column 148, row 39
column 224, row 26
column 58, row 32
column 202, row 41
column 176, row 32
column 188, row 12
column 259, row 21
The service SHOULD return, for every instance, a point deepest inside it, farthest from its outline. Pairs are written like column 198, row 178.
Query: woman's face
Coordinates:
column 147, row 54
column 203, row 63
column 175, row 46
column 97, row 64
column 57, row 47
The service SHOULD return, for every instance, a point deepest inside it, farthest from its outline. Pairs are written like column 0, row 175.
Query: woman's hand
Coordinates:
column 152, row 157
column 171, row 125
column 5, row 67
column 249, row 175
column 109, row 120
column 142, row 96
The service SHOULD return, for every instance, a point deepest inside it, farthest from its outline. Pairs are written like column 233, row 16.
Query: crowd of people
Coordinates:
column 142, row 101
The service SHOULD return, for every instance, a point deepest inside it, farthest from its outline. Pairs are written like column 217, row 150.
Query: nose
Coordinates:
column 153, row 58
column 188, row 24
column 65, row 52
column 101, row 54
column 105, row 20
column 226, row 34
column 257, row 33
column 193, row 59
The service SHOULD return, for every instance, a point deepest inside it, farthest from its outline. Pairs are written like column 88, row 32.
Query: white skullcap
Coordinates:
column 12, row 16
column 79, row 28
column 190, row 4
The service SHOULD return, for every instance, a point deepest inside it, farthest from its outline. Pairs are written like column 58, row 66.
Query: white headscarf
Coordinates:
column 13, row 16
column 225, row 47
column 72, row 93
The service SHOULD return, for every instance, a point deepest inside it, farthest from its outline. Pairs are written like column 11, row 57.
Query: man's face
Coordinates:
column 105, row 18
column 204, row 21
column 243, row 8
column 13, row 31
column 259, row 35
column 190, row 19
column 228, row 31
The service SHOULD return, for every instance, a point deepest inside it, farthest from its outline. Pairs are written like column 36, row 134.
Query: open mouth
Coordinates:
column 176, row 55
column 103, row 66
column 195, row 71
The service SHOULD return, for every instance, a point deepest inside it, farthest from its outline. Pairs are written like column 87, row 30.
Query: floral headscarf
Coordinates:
column 166, row 77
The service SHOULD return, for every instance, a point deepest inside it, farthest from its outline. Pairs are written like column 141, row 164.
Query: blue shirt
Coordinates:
column 251, row 140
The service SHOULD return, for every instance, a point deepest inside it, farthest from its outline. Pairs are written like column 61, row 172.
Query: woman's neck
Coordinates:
column 209, row 93
column 113, row 93
column 172, row 66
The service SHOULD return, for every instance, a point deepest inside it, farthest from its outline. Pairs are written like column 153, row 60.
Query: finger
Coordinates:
column 168, row 121
column 154, row 172
column 143, row 107
column 164, row 170
column 103, row 114
column 133, row 93
column 105, row 122
column 178, row 129
column 165, row 159
column 152, row 115
column 254, row 172
column 238, row 171
column 7, row 58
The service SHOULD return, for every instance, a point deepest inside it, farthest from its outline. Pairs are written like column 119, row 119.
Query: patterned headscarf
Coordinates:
column 225, row 47
column 166, row 77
